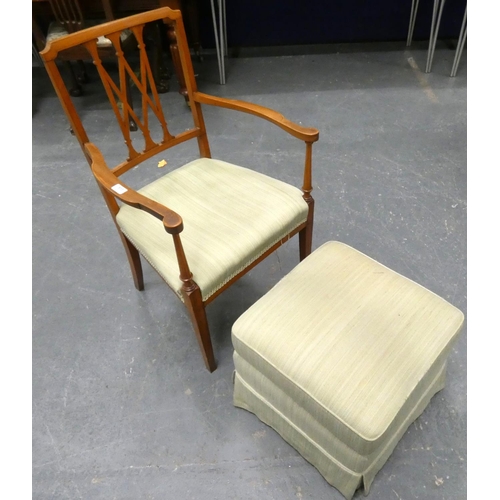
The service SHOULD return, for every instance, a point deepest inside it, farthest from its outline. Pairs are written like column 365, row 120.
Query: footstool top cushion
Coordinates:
column 349, row 334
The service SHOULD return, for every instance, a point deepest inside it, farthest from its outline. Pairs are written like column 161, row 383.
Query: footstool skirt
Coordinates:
column 339, row 358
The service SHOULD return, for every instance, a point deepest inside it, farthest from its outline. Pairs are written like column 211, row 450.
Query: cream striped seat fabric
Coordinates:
column 232, row 215
column 57, row 30
column 340, row 357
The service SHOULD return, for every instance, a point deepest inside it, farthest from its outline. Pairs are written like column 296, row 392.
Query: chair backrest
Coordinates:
column 72, row 16
column 116, row 85
column 68, row 13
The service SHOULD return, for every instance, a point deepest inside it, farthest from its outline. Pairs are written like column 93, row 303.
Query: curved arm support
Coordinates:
column 307, row 134
column 113, row 185
column 307, row 184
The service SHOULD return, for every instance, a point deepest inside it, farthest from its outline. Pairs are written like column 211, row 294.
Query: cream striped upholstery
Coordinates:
column 57, row 30
column 340, row 357
column 231, row 215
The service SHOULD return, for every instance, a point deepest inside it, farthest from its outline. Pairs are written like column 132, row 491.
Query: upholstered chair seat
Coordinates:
column 231, row 215
column 340, row 357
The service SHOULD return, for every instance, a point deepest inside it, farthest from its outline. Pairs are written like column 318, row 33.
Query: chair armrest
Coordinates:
column 304, row 133
column 111, row 183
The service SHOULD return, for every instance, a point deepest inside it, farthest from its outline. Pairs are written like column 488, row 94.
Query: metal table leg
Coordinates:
column 436, row 20
column 413, row 17
column 220, row 32
column 460, row 45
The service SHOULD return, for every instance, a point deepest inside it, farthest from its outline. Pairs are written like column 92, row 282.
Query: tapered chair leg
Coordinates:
column 83, row 76
column 306, row 234
column 176, row 59
column 160, row 74
column 75, row 89
column 196, row 309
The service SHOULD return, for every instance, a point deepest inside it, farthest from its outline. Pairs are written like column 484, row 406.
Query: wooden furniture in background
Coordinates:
column 203, row 225
column 109, row 10
column 69, row 16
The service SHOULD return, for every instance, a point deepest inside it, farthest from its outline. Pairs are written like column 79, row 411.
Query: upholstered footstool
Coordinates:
column 340, row 357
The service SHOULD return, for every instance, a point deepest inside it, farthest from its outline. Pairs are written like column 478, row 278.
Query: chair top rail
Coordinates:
column 50, row 52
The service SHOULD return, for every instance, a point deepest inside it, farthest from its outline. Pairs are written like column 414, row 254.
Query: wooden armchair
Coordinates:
column 201, row 226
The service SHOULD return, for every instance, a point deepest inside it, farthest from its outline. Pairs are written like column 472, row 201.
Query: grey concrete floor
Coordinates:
column 123, row 407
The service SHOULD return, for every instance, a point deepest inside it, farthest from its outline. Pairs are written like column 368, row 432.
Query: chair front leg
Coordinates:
column 75, row 89
column 83, row 76
column 176, row 59
column 306, row 234
column 194, row 303
column 197, row 313
column 160, row 74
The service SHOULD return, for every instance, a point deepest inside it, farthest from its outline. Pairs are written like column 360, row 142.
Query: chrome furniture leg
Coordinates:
column 413, row 17
column 436, row 20
column 220, row 33
column 460, row 46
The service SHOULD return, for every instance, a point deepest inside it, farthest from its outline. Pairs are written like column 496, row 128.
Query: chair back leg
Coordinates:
column 134, row 259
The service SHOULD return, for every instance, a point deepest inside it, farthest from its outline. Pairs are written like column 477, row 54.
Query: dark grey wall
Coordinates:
column 285, row 22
